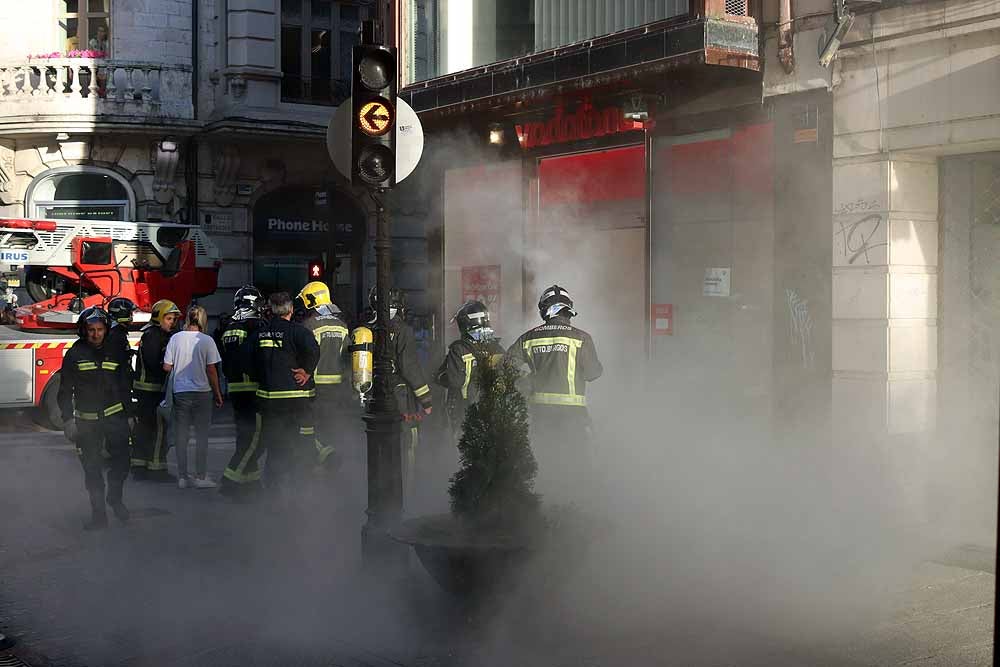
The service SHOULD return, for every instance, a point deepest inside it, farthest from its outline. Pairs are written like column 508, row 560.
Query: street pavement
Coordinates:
column 196, row 580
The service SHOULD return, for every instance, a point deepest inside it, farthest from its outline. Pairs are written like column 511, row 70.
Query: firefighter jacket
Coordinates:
column 561, row 360
column 278, row 347
column 94, row 382
column 150, row 375
column 459, row 376
column 412, row 393
column 331, row 334
column 234, row 342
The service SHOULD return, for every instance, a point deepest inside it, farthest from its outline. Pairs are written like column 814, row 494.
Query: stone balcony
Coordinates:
column 87, row 93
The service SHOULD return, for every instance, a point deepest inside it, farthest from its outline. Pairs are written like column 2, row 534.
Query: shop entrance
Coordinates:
column 296, row 225
column 589, row 235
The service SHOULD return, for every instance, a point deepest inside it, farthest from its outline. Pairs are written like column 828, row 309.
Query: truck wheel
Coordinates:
column 47, row 414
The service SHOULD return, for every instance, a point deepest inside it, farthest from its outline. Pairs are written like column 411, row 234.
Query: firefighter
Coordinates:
column 413, row 395
column 95, row 401
column 149, row 441
column 458, row 370
column 561, row 360
column 120, row 310
column 241, row 478
column 284, row 356
column 323, row 319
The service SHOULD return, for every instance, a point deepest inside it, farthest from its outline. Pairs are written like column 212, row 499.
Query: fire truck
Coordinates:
column 69, row 265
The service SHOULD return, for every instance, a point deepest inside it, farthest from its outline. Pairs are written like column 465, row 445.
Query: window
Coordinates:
column 90, row 193
column 84, row 25
column 316, row 41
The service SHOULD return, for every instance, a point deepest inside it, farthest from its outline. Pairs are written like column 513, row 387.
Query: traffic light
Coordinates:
column 373, row 116
column 316, row 270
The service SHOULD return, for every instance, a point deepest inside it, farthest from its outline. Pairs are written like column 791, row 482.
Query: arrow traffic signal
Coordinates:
column 373, row 117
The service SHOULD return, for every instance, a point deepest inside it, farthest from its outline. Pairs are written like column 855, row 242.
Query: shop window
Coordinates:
column 316, row 41
column 84, row 25
column 88, row 194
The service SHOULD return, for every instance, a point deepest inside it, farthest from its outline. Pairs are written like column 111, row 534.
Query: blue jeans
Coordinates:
column 192, row 408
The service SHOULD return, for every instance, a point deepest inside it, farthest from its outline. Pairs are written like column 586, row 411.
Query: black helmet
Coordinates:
column 89, row 316
column 120, row 309
column 554, row 301
column 248, row 303
column 397, row 299
column 473, row 321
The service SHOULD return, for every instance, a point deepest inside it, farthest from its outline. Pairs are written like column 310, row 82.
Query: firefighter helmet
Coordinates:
column 248, row 303
column 162, row 308
column 314, row 295
column 90, row 316
column 397, row 301
column 120, row 309
column 555, row 300
column 473, row 321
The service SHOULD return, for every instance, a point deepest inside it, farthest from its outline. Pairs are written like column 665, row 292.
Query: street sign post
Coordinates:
column 409, row 139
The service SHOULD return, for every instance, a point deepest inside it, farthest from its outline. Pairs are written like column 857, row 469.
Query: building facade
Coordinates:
column 209, row 112
column 807, row 250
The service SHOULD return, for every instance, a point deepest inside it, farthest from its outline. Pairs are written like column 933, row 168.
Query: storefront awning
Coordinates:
column 675, row 47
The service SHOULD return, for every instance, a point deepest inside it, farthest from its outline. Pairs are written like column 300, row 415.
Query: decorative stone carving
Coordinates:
column 166, row 155
column 6, row 173
column 227, row 168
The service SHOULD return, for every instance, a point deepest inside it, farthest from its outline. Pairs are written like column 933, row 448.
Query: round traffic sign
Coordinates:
column 375, row 118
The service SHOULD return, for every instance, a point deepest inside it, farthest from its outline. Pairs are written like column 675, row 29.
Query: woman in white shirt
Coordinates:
column 193, row 357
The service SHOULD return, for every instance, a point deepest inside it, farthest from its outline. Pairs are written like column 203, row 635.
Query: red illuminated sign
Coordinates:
column 584, row 123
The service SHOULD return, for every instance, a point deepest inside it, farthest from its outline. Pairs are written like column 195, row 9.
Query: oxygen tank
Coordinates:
column 361, row 360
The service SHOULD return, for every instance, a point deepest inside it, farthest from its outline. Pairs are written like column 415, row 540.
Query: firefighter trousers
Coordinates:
column 288, row 435
column 332, row 421
column 563, row 446
column 149, row 439
column 94, row 437
column 243, row 472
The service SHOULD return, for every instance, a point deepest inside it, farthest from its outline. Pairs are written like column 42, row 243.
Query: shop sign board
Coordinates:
column 482, row 283
column 717, row 281
column 662, row 317
column 586, row 122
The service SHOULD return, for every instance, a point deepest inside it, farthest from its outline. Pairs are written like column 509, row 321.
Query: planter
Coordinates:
column 468, row 562
column 463, row 561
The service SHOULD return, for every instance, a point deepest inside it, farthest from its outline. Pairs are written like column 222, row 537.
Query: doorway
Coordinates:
column 589, row 235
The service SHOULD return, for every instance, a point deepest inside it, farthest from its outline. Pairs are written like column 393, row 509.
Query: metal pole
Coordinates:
column 996, row 568
column 385, row 472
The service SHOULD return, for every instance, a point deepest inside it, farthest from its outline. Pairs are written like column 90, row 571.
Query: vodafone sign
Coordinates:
column 584, row 123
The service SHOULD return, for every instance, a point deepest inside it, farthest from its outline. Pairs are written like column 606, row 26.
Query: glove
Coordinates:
column 70, row 430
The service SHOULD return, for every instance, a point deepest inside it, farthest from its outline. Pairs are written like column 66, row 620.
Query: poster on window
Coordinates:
column 482, row 283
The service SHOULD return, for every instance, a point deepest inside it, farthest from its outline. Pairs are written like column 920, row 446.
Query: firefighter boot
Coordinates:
column 98, row 517
column 115, row 501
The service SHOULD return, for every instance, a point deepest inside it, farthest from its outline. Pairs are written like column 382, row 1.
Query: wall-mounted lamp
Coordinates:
column 496, row 134
column 62, row 136
column 168, row 146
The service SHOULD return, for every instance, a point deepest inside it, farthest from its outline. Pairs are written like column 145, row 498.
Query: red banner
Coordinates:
column 482, row 283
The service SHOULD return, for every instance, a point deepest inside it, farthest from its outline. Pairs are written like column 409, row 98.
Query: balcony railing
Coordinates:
column 77, row 86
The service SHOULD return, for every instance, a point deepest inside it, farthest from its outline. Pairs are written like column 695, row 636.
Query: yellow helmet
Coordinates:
column 161, row 308
column 315, row 294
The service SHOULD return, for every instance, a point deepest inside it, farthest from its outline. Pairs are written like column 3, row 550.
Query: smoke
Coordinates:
column 724, row 529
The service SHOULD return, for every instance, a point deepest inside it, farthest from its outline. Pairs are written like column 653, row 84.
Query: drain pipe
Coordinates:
column 786, row 53
column 192, row 161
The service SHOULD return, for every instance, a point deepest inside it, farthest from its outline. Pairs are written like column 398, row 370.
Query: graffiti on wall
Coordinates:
column 857, row 239
column 801, row 326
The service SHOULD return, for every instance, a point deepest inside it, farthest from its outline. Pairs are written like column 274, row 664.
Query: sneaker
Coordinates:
column 183, row 482
column 203, row 483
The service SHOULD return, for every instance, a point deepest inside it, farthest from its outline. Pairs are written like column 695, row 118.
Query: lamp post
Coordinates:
column 385, row 471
